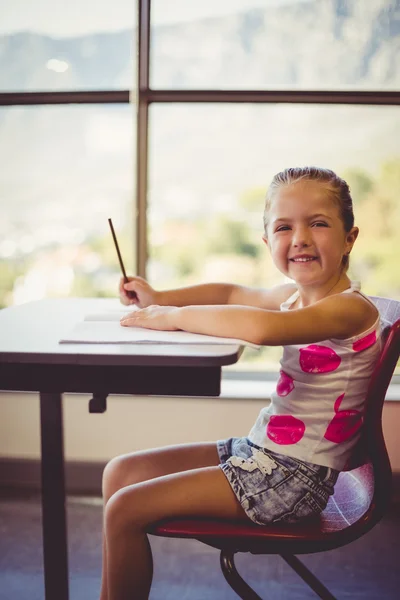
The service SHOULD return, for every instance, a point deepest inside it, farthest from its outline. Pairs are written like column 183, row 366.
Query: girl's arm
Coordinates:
column 337, row 316
column 205, row 294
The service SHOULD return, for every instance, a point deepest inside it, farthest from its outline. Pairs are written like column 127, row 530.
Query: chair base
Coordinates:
column 308, row 577
column 245, row 592
column 232, row 576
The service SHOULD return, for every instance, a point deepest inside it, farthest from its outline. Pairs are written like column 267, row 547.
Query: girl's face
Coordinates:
column 306, row 235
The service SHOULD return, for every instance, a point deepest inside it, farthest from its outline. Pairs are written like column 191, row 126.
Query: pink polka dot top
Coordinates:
column 316, row 410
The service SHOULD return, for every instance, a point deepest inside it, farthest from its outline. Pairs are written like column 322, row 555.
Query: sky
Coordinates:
column 61, row 18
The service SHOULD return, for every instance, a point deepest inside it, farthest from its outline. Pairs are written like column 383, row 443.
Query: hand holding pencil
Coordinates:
column 145, row 295
column 132, row 290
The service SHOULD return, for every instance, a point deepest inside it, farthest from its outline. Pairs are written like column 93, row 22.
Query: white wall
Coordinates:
column 133, row 423
column 130, row 423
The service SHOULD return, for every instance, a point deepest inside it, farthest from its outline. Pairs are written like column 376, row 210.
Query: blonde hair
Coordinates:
column 335, row 186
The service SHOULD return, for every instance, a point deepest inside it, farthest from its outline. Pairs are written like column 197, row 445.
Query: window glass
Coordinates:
column 210, row 166
column 295, row 44
column 51, row 45
column 64, row 172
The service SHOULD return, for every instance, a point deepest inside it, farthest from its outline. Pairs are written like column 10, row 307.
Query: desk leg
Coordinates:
column 55, row 549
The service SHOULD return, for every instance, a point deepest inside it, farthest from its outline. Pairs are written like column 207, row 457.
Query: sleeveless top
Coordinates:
column 316, row 411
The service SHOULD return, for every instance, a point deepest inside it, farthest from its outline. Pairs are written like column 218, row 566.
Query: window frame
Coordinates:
column 143, row 96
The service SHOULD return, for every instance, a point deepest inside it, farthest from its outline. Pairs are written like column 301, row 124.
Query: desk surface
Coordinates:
column 30, row 334
column 31, row 359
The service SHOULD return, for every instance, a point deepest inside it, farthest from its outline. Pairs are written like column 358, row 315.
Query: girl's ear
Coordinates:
column 351, row 237
column 265, row 240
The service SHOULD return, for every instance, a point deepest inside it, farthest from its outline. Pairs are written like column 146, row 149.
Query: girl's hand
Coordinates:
column 145, row 294
column 152, row 317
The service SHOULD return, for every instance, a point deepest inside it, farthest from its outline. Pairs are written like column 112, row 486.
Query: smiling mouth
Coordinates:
column 303, row 260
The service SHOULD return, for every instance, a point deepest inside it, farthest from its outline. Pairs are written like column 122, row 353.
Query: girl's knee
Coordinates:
column 122, row 512
column 114, row 513
column 114, row 476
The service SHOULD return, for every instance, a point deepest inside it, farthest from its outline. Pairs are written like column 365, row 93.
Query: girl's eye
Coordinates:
column 319, row 224
column 282, row 228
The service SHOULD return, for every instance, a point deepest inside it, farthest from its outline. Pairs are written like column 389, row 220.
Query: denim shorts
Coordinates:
column 272, row 487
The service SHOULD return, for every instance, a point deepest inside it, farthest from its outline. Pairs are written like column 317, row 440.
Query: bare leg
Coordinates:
column 141, row 466
column 198, row 492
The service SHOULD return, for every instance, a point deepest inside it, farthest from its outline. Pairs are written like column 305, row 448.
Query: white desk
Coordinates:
column 31, row 359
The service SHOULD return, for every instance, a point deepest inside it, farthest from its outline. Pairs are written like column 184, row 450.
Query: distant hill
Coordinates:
column 319, row 43
column 57, row 162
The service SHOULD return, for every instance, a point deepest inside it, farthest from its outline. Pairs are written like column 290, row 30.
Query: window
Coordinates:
column 231, row 91
column 280, row 44
column 65, row 170
column 50, row 45
column 210, row 165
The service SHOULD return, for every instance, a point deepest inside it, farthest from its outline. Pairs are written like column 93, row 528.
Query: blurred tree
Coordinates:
column 84, row 287
column 227, row 235
column 9, row 272
column 375, row 255
column 253, row 200
column 185, row 252
column 360, row 184
column 104, row 247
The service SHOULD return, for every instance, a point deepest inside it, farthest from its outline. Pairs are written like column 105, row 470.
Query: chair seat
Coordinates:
column 351, row 501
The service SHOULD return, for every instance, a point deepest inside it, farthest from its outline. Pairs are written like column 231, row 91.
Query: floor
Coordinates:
column 188, row 570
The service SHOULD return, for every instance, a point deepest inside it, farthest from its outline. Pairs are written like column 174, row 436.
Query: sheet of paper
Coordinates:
column 111, row 332
column 111, row 314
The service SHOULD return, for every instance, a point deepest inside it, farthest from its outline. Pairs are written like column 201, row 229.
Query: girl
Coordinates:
column 286, row 468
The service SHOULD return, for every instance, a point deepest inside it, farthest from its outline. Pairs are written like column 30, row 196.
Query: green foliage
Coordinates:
column 9, row 273
column 223, row 240
column 180, row 248
column 230, row 236
column 104, row 247
column 228, row 245
column 360, row 184
column 85, row 287
column 252, row 201
column 375, row 256
column 389, row 176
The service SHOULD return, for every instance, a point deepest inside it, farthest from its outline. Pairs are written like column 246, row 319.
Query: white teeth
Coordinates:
column 302, row 259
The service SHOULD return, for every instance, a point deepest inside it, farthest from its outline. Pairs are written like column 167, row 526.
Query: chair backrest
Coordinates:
column 389, row 309
column 384, row 369
column 371, row 447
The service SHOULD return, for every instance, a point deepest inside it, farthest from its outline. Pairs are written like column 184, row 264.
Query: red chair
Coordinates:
column 360, row 499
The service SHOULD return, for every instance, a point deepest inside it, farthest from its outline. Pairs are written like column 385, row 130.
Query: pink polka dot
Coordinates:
column 344, row 424
column 318, row 359
column 285, row 429
column 365, row 342
column 285, row 384
column 338, row 402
